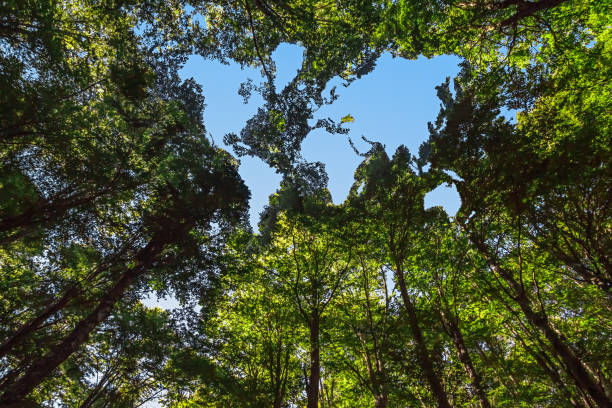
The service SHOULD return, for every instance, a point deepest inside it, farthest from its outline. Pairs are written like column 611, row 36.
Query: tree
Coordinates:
column 364, row 320
column 124, row 363
column 309, row 262
column 109, row 190
column 393, row 194
column 441, row 266
column 498, row 203
column 255, row 334
column 180, row 212
column 79, row 128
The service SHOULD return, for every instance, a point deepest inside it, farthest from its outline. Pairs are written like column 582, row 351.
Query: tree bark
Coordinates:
column 16, row 392
column 574, row 365
column 381, row 398
column 280, row 374
column 312, row 389
column 422, row 354
column 58, row 304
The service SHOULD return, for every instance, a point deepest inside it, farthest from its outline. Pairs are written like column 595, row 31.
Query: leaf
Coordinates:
column 347, row 118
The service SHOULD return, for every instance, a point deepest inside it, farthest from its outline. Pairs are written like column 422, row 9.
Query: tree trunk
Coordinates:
column 381, row 398
column 34, row 324
column 574, row 365
column 16, row 392
column 528, row 9
column 381, row 401
column 280, row 375
column 278, row 401
column 28, row 328
column 374, row 374
column 422, row 354
column 541, row 358
column 452, row 325
column 312, row 389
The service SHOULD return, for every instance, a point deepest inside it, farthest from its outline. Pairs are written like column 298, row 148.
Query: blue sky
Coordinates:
column 391, row 105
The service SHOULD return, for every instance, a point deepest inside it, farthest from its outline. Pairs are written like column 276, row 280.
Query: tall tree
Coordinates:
column 393, row 194
column 310, row 261
column 488, row 153
column 181, row 211
column 255, row 333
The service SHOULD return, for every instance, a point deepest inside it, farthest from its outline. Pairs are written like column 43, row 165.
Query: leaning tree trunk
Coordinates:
column 422, row 354
column 29, row 327
column 574, row 365
column 34, row 324
column 543, row 361
column 15, row 393
column 452, row 325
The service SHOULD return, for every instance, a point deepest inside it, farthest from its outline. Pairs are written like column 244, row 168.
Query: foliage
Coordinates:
column 110, row 192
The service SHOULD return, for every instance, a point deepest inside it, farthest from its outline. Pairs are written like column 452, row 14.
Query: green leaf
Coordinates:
column 348, row 119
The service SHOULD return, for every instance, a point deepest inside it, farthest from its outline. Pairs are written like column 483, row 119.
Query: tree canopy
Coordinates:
column 111, row 190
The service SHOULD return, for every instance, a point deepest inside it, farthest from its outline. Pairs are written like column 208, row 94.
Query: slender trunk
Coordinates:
column 282, row 360
column 382, row 399
column 93, row 395
column 16, row 392
column 575, row 366
column 278, row 397
column 452, row 325
column 58, row 304
column 541, row 358
column 28, row 328
column 312, row 389
column 422, row 354
column 380, row 395
column 374, row 374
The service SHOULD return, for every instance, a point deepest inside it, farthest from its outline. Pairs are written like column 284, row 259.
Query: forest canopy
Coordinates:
column 112, row 190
